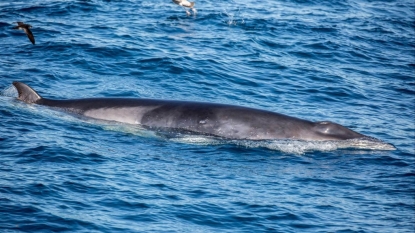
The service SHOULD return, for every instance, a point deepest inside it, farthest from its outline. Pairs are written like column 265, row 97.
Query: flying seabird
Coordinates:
column 25, row 28
column 185, row 3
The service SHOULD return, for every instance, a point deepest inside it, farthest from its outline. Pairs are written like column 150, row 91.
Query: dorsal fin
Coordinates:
column 26, row 93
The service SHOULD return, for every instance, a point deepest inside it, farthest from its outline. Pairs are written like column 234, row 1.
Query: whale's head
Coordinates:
column 333, row 131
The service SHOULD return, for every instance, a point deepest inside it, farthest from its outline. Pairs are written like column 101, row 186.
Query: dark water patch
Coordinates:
column 124, row 204
column 15, row 219
column 408, row 90
column 80, row 187
column 385, row 161
column 81, row 7
column 52, row 154
column 108, row 51
column 34, row 9
column 322, row 29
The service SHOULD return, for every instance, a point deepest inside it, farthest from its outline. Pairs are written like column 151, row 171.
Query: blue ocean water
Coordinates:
column 350, row 62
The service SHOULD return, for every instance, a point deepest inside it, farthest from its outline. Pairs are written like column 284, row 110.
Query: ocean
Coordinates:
column 351, row 62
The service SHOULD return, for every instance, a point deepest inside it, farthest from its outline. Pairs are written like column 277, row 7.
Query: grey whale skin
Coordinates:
column 226, row 121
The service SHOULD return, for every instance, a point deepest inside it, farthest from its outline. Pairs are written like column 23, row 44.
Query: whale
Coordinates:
column 203, row 118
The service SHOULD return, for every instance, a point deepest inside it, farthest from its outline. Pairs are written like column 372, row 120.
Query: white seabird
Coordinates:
column 184, row 4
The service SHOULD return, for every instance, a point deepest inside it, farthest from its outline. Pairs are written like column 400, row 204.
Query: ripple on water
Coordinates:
column 350, row 62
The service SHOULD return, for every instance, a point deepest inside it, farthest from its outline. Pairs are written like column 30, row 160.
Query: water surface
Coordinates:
column 350, row 62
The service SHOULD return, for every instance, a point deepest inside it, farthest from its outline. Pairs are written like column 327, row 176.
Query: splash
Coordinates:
column 289, row 146
column 285, row 145
column 9, row 91
column 233, row 18
column 367, row 143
